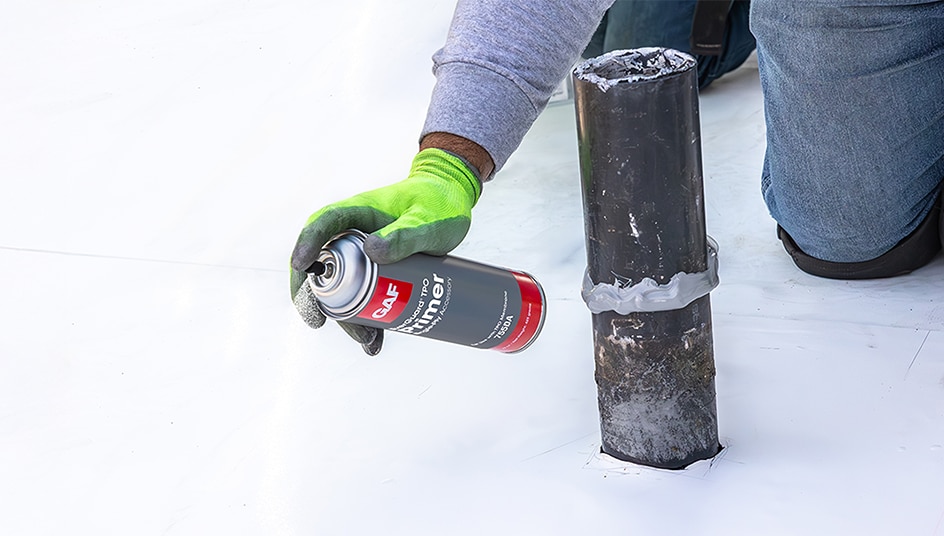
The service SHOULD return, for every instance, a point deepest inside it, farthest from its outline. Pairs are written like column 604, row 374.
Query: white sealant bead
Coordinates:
column 647, row 295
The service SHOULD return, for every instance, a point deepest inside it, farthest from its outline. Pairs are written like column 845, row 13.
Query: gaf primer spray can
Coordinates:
column 444, row 298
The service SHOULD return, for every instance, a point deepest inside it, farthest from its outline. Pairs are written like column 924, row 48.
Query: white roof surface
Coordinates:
column 157, row 161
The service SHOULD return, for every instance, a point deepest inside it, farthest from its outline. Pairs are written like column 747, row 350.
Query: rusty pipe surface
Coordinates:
column 641, row 174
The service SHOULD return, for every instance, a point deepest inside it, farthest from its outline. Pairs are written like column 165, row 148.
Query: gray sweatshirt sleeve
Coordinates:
column 501, row 62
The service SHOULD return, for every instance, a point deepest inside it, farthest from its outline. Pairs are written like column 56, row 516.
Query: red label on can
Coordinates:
column 389, row 299
column 529, row 319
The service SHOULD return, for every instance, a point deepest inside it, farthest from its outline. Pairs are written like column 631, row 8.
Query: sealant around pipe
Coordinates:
column 649, row 296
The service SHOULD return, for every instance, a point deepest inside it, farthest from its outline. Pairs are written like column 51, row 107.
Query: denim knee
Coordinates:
column 843, row 227
column 854, row 105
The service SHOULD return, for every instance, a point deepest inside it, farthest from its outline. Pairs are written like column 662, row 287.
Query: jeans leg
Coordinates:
column 668, row 23
column 854, row 101
column 738, row 45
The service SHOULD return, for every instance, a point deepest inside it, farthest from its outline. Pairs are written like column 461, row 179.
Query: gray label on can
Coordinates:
column 456, row 300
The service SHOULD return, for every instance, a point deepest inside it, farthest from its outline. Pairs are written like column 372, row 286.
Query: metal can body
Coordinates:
column 445, row 298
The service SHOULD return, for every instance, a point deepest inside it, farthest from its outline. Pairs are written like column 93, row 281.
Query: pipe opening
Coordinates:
column 636, row 65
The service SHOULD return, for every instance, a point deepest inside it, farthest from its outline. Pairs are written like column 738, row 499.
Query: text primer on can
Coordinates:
column 445, row 298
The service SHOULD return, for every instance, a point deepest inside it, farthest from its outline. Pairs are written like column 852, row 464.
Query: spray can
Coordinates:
column 445, row 298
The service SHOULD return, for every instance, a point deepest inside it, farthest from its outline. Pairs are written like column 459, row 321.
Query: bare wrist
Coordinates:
column 466, row 149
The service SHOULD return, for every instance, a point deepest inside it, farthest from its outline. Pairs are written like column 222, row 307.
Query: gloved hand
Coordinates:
column 430, row 211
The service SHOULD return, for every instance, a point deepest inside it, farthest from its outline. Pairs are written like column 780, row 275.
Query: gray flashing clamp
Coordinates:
column 649, row 296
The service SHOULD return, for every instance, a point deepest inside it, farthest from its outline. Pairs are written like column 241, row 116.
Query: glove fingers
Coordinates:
column 400, row 240
column 295, row 281
column 370, row 339
column 307, row 305
column 328, row 222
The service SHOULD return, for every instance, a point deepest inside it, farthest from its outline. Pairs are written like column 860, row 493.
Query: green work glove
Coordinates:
column 430, row 211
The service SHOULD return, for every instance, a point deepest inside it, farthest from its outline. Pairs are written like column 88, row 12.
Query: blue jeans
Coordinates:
column 668, row 23
column 854, row 102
